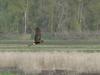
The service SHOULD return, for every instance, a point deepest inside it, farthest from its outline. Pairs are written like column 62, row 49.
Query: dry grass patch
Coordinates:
column 36, row 62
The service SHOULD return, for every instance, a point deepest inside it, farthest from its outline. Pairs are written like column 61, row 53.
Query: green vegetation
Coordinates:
column 7, row 73
column 52, row 15
column 50, row 46
column 67, row 25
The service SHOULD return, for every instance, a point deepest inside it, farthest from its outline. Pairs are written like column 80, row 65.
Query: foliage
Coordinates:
column 51, row 15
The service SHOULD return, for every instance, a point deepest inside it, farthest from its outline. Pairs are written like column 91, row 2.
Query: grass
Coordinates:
column 35, row 62
column 81, row 57
column 49, row 48
column 7, row 73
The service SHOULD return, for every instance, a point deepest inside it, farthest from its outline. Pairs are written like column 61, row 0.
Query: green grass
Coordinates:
column 57, row 42
column 6, row 73
column 50, row 46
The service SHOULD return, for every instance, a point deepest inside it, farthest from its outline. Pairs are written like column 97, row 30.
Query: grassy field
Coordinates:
column 77, row 56
column 49, row 46
column 35, row 62
column 7, row 73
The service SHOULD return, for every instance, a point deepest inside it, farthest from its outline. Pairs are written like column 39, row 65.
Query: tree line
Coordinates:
column 21, row 16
